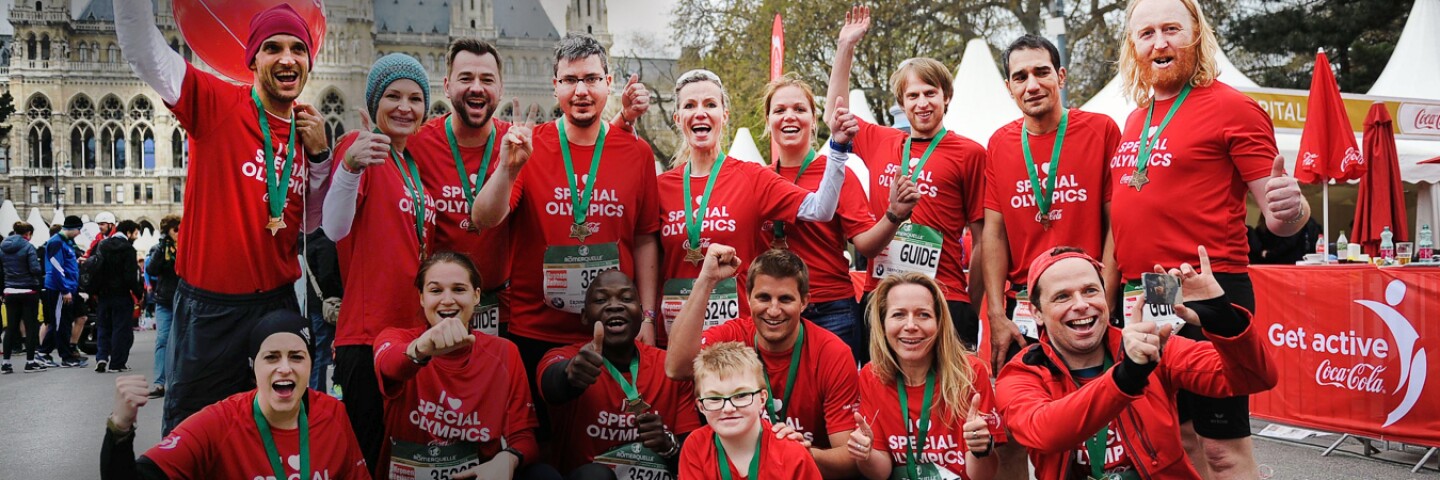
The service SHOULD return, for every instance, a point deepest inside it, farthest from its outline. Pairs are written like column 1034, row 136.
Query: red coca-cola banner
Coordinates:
column 1354, row 347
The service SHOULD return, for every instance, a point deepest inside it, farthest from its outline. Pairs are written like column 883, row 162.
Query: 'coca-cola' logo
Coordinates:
column 1424, row 118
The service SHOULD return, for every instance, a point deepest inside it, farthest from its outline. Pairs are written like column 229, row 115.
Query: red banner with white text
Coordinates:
column 1355, row 346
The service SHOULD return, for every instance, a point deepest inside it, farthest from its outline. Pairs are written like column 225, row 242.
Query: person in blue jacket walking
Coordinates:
column 62, row 290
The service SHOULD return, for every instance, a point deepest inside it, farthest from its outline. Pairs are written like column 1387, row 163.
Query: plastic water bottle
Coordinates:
column 1320, row 249
column 1387, row 245
column 1342, row 245
column 1426, row 245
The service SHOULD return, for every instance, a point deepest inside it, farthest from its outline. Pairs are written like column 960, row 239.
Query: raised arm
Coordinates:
column 720, row 263
column 146, row 51
column 857, row 22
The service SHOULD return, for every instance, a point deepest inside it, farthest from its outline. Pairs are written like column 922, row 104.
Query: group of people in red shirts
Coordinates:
column 702, row 322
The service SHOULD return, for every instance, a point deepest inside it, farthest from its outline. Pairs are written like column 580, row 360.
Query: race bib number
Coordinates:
column 927, row 471
column 915, row 248
column 632, row 461
column 487, row 315
column 413, row 461
column 724, row 303
column 568, row 271
column 1024, row 316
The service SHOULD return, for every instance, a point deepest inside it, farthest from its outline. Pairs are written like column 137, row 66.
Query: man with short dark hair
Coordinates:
column 21, row 276
column 117, row 288
column 61, row 296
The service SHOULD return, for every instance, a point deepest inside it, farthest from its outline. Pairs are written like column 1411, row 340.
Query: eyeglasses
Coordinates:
column 590, row 81
column 739, row 400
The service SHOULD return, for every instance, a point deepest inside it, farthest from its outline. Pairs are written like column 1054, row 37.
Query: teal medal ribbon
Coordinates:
column 580, row 202
column 1045, row 193
column 695, row 220
column 723, row 461
column 777, row 414
column 276, row 463
column 633, row 403
column 779, row 226
column 924, row 158
column 915, row 450
column 275, row 188
column 1142, row 162
column 411, row 177
column 470, row 190
column 1095, row 445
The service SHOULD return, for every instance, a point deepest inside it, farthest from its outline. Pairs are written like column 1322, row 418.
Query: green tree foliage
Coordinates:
column 1282, row 36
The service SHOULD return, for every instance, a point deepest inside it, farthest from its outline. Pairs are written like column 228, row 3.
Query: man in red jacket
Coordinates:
column 1099, row 399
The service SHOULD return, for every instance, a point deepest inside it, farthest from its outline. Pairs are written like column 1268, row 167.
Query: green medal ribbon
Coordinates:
column 723, row 461
column 276, row 463
column 411, row 177
column 471, row 190
column 905, row 160
column 581, row 206
column 914, row 450
column 631, row 394
column 1143, row 161
column 777, row 415
column 779, row 226
column 275, row 187
column 1095, row 445
column 1044, row 193
column 695, row 220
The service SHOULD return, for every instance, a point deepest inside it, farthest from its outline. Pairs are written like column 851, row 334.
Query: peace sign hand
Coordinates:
column 516, row 147
column 369, row 148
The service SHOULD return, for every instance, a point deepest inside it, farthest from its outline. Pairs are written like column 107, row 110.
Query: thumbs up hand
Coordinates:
column 844, row 126
column 862, row 439
column 977, row 430
column 584, row 369
column 634, row 99
column 1283, row 200
column 369, row 148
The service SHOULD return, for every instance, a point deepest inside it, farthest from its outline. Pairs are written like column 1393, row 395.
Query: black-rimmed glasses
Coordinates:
column 738, row 400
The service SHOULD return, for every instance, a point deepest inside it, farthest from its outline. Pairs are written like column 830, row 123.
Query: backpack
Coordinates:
column 90, row 272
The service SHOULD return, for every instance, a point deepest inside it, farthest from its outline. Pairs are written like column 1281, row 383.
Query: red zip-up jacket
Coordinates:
column 1051, row 417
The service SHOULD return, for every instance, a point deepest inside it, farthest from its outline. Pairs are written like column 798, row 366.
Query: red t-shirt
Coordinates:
column 745, row 196
column 1218, row 140
column 597, row 421
column 951, row 193
column 825, row 394
column 822, row 245
column 945, row 438
column 227, row 248
column 481, row 396
column 623, row 206
column 221, row 442
column 1115, row 458
column 489, row 248
column 1081, row 191
column 381, row 255
column 779, row 459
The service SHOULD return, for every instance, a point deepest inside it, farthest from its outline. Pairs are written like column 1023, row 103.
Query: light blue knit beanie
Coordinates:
column 388, row 69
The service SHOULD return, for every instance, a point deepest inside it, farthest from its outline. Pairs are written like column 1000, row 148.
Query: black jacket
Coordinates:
column 119, row 274
column 162, row 269
column 21, row 264
column 323, row 262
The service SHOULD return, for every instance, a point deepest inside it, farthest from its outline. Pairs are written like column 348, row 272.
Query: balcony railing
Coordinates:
column 98, row 172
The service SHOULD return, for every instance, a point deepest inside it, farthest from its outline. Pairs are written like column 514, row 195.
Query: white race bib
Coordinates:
column 569, row 269
column 915, row 248
column 724, row 302
column 413, row 461
column 486, row 318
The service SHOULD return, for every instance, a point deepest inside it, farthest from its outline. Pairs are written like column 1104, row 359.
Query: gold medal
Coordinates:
column 470, row 226
column 1045, row 221
column 780, row 243
column 694, row 256
column 579, row 231
column 636, row 406
column 1139, row 179
column 275, row 225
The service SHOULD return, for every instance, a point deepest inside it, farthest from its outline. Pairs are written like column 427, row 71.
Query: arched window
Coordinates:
column 179, row 149
column 82, row 146
column 31, row 53
column 38, row 107
column 112, row 54
column 82, row 52
column 112, row 147
column 110, row 108
column 81, row 108
column 332, row 107
column 142, row 143
column 39, row 141
column 45, row 47
column 140, row 108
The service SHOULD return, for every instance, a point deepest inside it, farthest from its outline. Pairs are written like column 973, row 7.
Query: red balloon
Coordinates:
column 216, row 30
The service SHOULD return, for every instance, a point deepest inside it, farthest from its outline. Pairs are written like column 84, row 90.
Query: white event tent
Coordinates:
column 981, row 104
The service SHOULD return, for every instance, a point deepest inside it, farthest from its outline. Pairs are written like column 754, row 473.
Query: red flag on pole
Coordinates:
column 1327, row 146
column 777, row 48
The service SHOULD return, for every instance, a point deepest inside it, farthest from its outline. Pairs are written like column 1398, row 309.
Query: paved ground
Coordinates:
column 52, row 423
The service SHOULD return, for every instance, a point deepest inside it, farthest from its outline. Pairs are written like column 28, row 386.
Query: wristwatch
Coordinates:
column 319, row 157
column 674, row 445
column 414, row 358
column 896, row 219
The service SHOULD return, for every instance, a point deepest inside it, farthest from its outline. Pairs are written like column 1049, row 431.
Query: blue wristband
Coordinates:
column 839, row 147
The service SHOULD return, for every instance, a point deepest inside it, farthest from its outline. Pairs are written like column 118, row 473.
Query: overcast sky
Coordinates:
column 628, row 19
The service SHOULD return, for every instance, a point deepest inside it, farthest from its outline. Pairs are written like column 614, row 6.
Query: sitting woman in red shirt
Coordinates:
column 279, row 430
column 457, row 401
column 918, row 367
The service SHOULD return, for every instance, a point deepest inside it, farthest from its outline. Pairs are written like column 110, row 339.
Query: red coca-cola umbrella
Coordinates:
column 1327, row 146
column 1381, row 202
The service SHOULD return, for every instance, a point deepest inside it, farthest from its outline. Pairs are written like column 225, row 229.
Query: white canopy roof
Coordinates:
column 1415, row 64
column 743, row 148
column 981, row 103
column 8, row 216
column 35, row 220
column 860, row 106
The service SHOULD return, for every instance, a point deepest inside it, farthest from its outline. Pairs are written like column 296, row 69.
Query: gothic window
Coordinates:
column 179, row 149
column 41, row 152
column 140, row 108
column 39, row 107
column 438, row 109
column 110, row 108
column 332, row 107
column 112, row 147
column 45, row 47
column 30, row 47
column 81, row 108
column 82, row 52
column 112, row 54
column 142, row 142
column 82, row 147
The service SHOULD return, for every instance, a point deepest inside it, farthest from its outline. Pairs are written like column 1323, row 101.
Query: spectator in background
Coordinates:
column 61, row 294
column 117, row 288
column 161, row 269
column 22, row 278
column 322, row 305
column 1267, row 248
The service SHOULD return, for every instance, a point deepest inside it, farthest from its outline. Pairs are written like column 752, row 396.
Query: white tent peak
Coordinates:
column 743, row 148
column 35, row 220
column 1415, row 63
column 8, row 216
column 860, row 106
column 981, row 103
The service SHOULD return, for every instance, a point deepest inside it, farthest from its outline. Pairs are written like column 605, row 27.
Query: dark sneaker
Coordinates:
column 119, row 369
column 157, row 391
column 34, row 366
column 75, row 362
column 6, row 369
column 100, row 366
column 46, row 361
